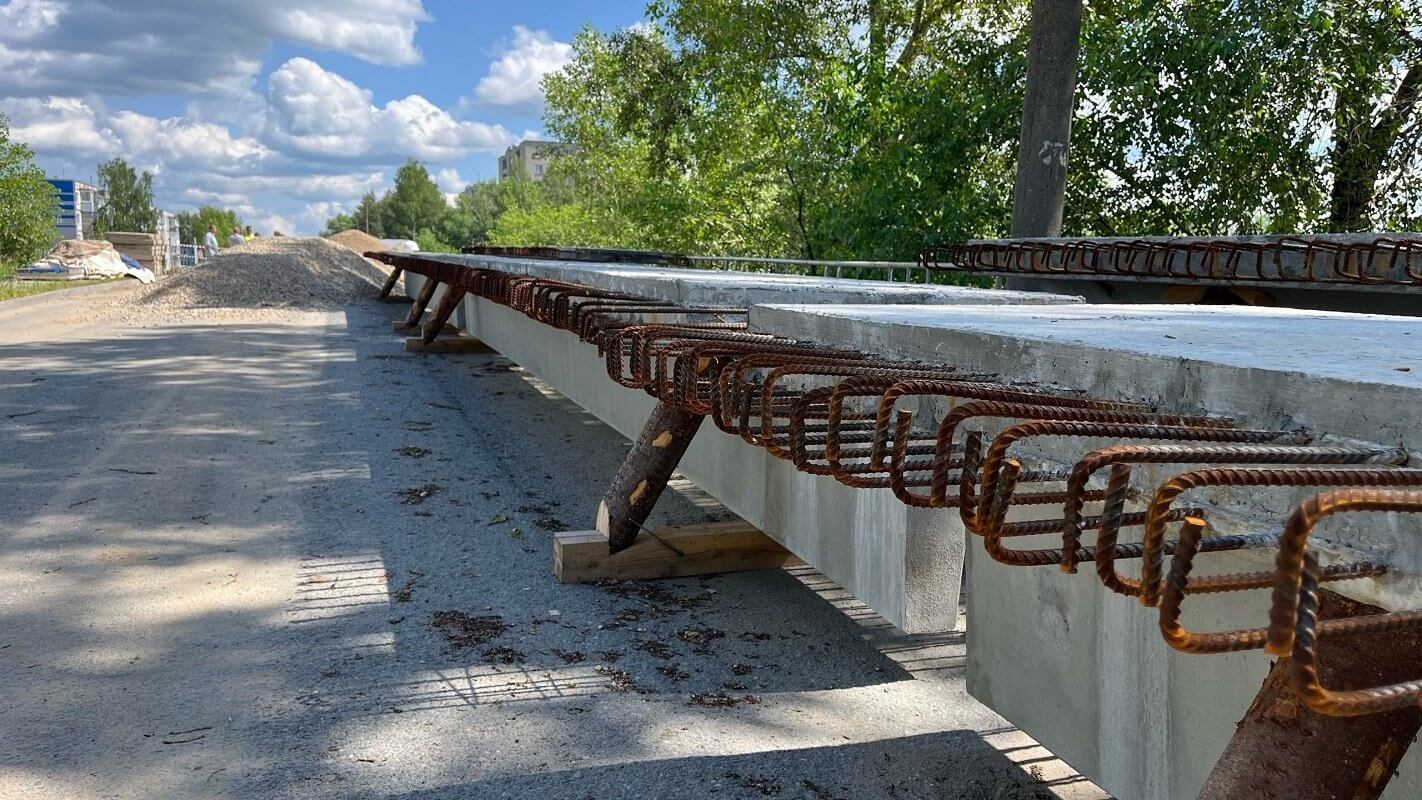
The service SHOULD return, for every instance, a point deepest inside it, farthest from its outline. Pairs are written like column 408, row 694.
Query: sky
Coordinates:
column 285, row 110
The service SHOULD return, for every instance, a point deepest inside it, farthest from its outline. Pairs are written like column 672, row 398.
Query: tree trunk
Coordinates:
column 1283, row 750
column 1361, row 149
column 643, row 475
column 1039, row 192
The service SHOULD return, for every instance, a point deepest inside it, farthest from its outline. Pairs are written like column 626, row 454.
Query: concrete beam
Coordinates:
column 905, row 563
column 1085, row 671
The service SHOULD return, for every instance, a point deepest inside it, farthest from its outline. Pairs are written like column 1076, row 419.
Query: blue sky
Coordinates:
column 287, row 110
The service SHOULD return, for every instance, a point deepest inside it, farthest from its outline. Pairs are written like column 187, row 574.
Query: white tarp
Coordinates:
column 84, row 260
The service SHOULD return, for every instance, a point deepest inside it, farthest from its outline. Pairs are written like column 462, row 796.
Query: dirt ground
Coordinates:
column 282, row 558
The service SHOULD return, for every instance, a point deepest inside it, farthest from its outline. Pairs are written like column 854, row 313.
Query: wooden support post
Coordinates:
column 644, row 474
column 671, row 552
column 447, row 304
column 417, row 309
column 1283, row 750
column 390, row 283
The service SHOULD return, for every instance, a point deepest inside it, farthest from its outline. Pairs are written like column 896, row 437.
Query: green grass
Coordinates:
column 11, row 288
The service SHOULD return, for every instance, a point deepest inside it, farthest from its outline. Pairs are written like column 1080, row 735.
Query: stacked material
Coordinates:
column 145, row 248
column 82, row 260
column 358, row 240
column 285, row 272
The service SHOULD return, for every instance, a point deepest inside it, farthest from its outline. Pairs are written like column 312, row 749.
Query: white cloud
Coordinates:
column 515, row 79
column 450, row 183
column 193, row 163
column 64, row 124
column 79, row 47
column 322, row 114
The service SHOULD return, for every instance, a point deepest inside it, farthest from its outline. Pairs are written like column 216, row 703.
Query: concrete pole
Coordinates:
column 1040, row 189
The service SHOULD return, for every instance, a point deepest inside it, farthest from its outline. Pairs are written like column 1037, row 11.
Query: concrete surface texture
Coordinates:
column 1086, row 671
column 717, row 287
column 281, row 558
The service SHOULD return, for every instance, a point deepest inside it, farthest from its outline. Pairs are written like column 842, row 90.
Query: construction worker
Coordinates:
column 210, row 241
column 236, row 238
column 248, row 234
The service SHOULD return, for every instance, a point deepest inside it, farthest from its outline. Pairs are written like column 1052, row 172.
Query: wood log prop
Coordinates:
column 390, row 283
column 417, row 309
column 1284, row 750
column 643, row 475
column 434, row 326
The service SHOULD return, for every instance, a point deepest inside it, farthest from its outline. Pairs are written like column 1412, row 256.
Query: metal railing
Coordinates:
column 828, row 269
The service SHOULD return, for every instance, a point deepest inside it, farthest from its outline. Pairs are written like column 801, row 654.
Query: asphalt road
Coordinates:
column 281, row 558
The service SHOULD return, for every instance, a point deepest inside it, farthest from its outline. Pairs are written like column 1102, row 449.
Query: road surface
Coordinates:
column 275, row 556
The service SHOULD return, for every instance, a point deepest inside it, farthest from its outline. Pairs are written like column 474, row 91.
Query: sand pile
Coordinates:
column 280, row 273
column 359, row 241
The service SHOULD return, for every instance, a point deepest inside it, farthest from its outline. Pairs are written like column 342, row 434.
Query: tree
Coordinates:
column 476, row 209
column 414, row 203
column 128, row 201
column 369, row 215
column 192, row 226
column 1244, row 116
column 27, row 204
column 870, row 128
column 338, row 223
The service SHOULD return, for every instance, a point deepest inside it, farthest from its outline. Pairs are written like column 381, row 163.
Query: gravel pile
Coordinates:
column 269, row 273
column 359, row 241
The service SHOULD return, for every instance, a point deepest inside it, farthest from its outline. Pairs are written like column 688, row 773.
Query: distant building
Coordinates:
column 533, row 154
column 78, row 203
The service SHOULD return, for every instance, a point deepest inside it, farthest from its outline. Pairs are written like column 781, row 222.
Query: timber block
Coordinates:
column 673, row 552
column 446, row 344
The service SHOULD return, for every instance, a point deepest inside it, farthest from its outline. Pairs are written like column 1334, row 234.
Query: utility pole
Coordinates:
column 1042, row 153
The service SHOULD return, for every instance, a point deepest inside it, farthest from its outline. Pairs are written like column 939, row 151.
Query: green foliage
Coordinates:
column 369, row 216
column 430, row 242
column 192, row 227
column 128, row 203
column 1243, row 116
column 844, row 129
column 415, row 203
column 475, row 211
column 27, row 205
column 338, row 223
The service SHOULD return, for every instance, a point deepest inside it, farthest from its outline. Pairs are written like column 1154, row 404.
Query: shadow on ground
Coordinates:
column 291, row 560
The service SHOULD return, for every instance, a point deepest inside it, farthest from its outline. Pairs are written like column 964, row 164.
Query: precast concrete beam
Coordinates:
column 905, row 563
column 1085, row 671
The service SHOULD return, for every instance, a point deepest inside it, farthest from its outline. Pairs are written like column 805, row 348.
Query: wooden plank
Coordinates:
column 446, row 344
column 396, row 298
column 673, row 552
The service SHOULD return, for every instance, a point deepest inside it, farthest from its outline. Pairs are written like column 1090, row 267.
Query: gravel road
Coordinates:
column 265, row 556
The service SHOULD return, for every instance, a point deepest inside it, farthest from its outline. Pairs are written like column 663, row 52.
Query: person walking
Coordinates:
column 249, row 235
column 209, row 241
column 236, row 238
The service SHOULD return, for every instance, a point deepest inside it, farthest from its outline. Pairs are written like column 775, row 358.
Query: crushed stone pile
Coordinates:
column 359, row 241
column 271, row 273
